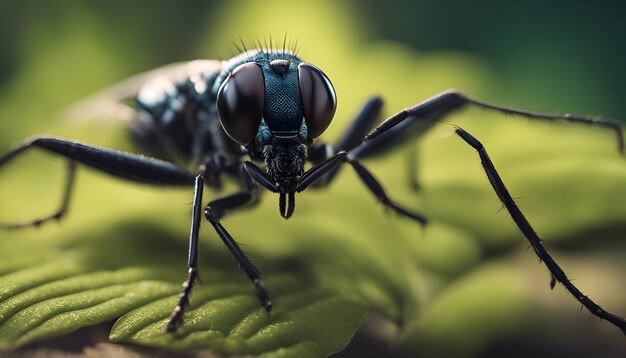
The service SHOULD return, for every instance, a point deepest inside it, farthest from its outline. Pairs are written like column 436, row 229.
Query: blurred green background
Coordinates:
column 552, row 56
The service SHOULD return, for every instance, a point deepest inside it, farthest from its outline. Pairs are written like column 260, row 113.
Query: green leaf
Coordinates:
column 330, row 275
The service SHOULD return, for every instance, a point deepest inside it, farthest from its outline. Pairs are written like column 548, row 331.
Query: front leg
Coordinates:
column 176, row 319
column 334, row 162
column 214, row 211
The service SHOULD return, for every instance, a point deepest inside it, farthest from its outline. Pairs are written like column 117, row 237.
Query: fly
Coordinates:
column 254, row 119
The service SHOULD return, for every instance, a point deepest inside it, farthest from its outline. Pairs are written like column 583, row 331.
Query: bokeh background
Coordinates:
column 552, row 56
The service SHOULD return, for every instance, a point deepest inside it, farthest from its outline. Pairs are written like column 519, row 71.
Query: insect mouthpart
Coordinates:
column 286, row 210
column 284, row 161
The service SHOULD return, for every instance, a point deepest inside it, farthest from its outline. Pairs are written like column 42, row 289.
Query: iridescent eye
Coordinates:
column 240, row 101
column 318, row 98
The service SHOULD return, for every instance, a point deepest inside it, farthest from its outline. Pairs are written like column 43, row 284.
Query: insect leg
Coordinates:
column 214, row 211
column 134, row 167
column 176, row 319
column 124, row 165
column 401, row 127
column 57, row 215
column 366, row 177
column 531, row 235
column 374, row 186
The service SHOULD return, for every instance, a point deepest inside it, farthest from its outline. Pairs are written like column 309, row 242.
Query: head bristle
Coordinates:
column 266, row 48
column 270, row 38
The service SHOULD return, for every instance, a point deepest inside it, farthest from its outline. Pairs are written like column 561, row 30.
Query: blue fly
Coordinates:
column 254, row 119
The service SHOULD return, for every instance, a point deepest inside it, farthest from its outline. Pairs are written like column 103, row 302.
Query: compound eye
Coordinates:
column 318, row 98
column 240, row 101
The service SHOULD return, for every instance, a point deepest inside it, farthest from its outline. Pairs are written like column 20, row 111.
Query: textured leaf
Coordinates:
column 321, row 291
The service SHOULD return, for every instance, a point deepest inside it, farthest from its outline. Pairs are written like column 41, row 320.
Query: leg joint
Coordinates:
column 211, row 215
column 470, row 139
